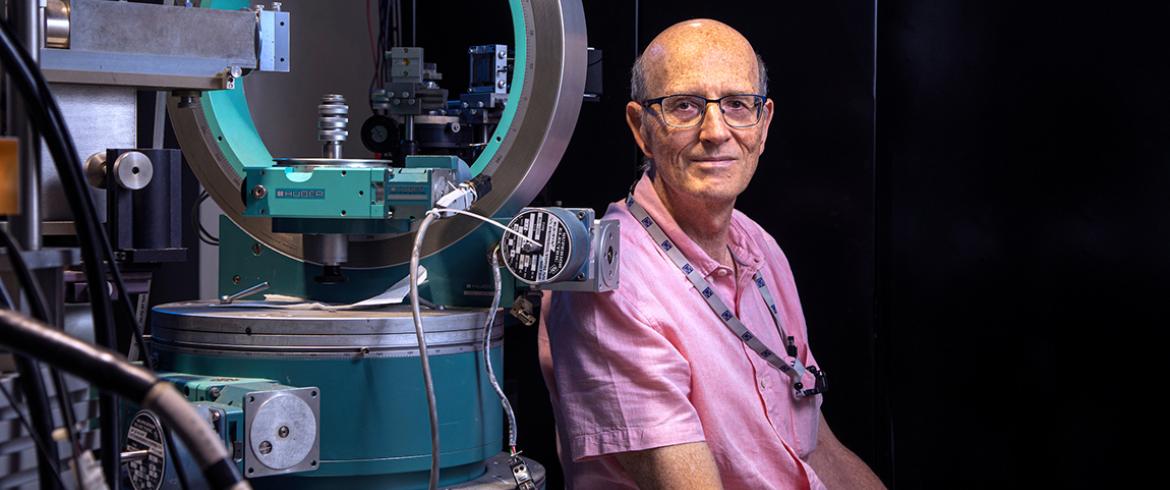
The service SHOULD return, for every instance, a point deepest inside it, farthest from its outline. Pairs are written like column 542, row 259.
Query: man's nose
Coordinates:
column 714, row 128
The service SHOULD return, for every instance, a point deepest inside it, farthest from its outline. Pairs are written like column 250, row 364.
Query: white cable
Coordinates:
column 490, row 221
column 432, row 412
column 487, row 339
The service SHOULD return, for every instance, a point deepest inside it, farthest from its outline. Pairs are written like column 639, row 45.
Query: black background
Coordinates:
column 972, row 196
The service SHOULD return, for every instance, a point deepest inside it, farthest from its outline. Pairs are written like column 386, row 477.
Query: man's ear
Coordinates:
column 634, row 119
column 769, row 107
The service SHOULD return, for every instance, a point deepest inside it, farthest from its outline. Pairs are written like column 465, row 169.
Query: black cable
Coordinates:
column 42, row 109
column 180, row 472
column 397, row 23
column 32, row 382
column 37, row 441
column 40, row 310
column 33, row 386
column 70, row 175
column 196, row 223
column 413, row 22
column 111, row 372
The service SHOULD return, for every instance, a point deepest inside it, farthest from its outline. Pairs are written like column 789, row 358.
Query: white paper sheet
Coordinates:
column 396, row 294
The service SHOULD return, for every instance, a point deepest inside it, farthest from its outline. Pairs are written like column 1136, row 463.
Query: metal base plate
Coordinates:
column 205, row 325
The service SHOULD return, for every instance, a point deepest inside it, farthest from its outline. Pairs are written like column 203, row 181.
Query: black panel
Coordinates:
column 1022, row 156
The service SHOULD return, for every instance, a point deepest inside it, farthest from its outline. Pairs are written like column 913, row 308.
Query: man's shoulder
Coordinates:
column 634, row 240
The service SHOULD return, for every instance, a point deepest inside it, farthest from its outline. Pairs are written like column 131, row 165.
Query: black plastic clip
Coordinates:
column 822, row 382
column 791, row 346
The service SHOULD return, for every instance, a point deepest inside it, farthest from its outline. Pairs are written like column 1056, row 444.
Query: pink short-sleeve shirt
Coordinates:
column 650, row 365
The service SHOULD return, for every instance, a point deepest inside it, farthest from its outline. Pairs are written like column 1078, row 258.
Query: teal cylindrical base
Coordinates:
column 374, row 425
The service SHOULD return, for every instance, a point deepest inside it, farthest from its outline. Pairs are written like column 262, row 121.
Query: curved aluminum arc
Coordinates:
column 547, row 108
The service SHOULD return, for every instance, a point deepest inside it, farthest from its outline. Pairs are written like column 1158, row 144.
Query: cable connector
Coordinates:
column 465, row 195
column 461, row 198
column 520, row 473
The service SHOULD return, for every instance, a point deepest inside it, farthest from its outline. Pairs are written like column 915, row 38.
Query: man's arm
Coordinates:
column 682, row 466
column 837, row 466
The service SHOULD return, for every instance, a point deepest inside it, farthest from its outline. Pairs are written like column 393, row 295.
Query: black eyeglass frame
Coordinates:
column 760, row 101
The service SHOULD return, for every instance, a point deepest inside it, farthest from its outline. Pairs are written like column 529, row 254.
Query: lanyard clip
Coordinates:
column 822, row 384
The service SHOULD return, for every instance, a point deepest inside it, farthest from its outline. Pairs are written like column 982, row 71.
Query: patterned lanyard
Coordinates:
column 793, row 367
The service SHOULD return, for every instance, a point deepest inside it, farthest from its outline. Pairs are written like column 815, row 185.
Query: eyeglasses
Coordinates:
column 687, row 111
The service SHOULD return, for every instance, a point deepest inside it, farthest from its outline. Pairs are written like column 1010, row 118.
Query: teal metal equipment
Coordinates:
column 373, row 419
column 364, row 363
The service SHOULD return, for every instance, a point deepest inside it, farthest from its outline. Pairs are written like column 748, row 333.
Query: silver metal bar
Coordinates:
column 132, row 456
column 26, row 227
column 124, row 27
column 142, row 70
column 228, row 299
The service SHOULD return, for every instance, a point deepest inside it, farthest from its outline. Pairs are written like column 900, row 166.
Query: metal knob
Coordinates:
column 95, row 170
column 133, row 170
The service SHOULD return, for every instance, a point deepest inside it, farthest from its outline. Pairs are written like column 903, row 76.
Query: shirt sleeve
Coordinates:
column 622, row 385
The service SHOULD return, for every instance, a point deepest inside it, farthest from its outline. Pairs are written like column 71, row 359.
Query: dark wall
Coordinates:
column 1022, row 151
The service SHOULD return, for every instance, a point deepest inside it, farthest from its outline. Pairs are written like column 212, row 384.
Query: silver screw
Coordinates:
column 265, row 447
column 259, row 192
column 282, row 431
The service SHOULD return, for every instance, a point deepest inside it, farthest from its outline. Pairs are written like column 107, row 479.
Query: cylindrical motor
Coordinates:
column 563, row 238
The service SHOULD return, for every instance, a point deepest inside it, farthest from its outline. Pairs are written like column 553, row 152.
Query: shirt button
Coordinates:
column 764, row 383
column 723, row 273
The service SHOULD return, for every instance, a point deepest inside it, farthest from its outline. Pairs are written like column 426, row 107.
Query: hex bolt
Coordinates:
column 213, row 392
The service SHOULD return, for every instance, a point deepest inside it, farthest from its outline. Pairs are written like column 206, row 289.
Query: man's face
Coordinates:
column 713, row 162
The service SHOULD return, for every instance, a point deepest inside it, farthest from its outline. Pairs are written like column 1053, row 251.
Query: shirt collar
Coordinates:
column 742, row 246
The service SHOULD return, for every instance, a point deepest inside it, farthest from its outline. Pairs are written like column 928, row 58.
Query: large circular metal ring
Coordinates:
column 552, row 66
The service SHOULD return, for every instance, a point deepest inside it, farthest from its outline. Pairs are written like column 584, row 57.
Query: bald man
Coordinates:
column 696, row 372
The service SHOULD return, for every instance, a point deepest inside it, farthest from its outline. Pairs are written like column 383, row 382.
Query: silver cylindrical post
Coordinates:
column 329, row 249
column 332, row 122
column 26, row 228
column 57, row 24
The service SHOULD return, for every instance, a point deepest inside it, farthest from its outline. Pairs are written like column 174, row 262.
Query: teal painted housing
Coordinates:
column 374, row 431
column 339, row 194
column 458, row 276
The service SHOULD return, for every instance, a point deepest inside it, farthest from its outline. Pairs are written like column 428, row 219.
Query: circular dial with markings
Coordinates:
column 560, row 252
column 146, row 433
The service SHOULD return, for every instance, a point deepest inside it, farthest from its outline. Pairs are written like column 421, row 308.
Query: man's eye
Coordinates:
column 684, row 106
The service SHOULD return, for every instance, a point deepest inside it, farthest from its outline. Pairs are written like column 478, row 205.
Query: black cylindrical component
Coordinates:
column 110, row 372
column 102, row 367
